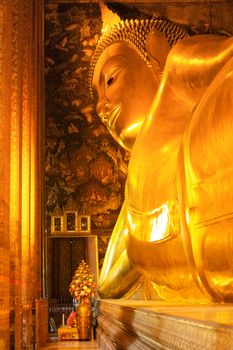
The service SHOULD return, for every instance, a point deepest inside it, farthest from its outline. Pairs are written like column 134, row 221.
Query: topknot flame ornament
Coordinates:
column 109, row 18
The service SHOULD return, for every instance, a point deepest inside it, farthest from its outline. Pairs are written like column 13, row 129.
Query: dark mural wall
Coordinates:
column 85, row 168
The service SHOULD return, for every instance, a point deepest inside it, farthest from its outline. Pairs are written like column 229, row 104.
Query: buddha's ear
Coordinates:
column 157, row 48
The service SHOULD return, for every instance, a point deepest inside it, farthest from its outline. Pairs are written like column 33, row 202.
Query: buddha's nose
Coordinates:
column 99, row 106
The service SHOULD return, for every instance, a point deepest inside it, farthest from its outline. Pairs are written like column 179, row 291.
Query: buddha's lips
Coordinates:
column 109, row 118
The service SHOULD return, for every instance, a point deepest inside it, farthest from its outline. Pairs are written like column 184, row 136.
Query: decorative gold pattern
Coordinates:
column 84, row 223
column 71, row 221
column 151, row 325
column 57, row 225
column 67, row 333
column 19, row 190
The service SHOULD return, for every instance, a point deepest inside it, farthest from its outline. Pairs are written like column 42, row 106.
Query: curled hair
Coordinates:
column 134, row 33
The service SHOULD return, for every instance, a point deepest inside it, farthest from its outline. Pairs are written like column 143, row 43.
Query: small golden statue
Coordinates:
column 168, row 98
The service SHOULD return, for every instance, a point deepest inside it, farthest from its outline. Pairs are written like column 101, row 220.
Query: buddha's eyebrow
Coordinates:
column 98, row 82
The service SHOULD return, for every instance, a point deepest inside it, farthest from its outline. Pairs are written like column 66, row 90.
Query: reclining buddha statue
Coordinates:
column 168, row 98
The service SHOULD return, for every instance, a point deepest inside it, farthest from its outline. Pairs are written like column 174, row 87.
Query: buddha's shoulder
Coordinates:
column 204, row 45
column 198, row 56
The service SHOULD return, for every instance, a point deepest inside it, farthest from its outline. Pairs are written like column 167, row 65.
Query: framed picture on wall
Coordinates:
column 57, row 224
column 71, row 218
column 84, row 223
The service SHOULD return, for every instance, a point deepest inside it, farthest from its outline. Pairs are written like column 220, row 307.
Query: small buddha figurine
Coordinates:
column 168, row 98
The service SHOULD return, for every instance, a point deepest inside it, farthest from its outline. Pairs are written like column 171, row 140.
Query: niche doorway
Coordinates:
column 63, row 257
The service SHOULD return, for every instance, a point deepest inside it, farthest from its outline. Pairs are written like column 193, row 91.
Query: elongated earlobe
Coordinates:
column 157, row 48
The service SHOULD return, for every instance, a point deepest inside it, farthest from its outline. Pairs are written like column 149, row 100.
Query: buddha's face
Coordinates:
column 125, row 87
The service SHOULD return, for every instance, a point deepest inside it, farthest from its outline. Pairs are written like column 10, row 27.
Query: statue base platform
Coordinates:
column 138, row 324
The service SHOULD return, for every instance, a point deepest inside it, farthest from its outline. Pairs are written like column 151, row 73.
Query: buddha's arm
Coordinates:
column 117, row 275
column 115, row 247
column 121, row 281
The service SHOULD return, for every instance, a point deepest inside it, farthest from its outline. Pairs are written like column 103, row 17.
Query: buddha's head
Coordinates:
column 125, row 72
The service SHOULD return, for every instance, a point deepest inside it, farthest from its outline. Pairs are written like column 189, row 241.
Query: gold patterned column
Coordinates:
column 20, row 169
column 5, row 125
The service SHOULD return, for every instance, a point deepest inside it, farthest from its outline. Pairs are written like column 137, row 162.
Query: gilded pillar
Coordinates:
column 5, row 126
column 20, row 172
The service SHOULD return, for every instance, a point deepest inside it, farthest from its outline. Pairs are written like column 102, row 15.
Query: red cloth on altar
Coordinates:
column 71, row 319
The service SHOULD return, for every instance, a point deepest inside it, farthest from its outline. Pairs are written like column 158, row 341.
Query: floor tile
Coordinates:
column 70, row 345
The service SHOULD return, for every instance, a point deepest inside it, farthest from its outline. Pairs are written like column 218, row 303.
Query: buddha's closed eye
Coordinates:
column 109, row 81
column 112, row 75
